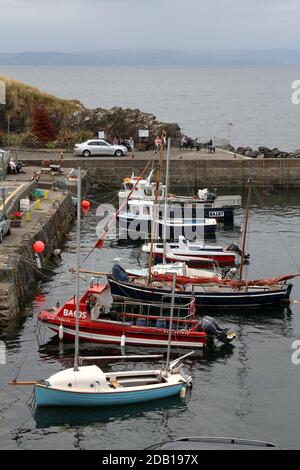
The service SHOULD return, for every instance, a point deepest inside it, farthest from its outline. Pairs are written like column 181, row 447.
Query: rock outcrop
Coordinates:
column 265, row 152
column 72, row 115
column 119, row 122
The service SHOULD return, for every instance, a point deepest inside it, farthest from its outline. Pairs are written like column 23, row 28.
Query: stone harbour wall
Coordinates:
column 18, row 269
column 282, row 173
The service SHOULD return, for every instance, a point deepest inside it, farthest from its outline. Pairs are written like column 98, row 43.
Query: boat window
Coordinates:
column 148, row 192
column 135, row 210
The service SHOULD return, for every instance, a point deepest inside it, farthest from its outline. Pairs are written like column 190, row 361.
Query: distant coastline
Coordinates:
column 153, row 57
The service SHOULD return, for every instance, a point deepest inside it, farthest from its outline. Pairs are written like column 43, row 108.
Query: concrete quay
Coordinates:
column 192, row 168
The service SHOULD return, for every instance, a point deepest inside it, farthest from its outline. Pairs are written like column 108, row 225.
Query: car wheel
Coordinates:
column 86, row 153
column 118, row 153
column 1, row 237
column 9, row 231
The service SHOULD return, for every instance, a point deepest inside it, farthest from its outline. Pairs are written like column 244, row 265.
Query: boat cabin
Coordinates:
column 96, row 301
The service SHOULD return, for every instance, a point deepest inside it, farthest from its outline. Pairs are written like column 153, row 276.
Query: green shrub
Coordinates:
column 21, row 140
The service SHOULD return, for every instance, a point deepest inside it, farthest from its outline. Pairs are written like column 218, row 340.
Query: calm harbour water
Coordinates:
column 249, row 391
column 202, row 100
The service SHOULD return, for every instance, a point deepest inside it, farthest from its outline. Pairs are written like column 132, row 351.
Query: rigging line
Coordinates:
column 102, row 184
column 259, row 197
column 39, row 271
column 92, row 201
column 288, row 251
column 277, row 232
column 10, row 394
column 23, row 362
column 31, row 261
column 114, row 218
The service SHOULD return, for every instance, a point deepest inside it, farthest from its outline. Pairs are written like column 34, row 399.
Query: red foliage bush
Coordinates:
column 42, row 126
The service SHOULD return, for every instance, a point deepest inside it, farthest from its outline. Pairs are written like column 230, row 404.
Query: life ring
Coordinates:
column 92, row 300
column 127, row 180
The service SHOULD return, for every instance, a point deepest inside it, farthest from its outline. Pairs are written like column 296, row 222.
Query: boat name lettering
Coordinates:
column 71, row 313
column 216, row 213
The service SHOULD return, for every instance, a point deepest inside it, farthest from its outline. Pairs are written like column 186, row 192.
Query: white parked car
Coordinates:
column 99, row 147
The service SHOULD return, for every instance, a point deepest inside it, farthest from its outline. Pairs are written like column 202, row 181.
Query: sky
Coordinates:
column 91, row 25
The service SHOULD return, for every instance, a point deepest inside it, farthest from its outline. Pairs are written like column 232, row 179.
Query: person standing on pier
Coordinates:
column 157, row 144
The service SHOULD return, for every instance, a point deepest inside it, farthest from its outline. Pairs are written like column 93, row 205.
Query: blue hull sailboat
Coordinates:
column 89, row 386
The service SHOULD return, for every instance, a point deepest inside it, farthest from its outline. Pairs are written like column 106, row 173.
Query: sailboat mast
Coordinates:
column 76, row 356
column 171, row 320
column 166, row 201
column 245, row 231
column 155, row 209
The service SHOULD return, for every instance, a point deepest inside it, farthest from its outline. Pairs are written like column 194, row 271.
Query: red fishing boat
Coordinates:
column 102, row 321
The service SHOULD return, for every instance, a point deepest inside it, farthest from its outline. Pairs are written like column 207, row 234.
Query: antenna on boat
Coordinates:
column 245, row 230
column 171, row 320
column 76, row 356
column 166, row 202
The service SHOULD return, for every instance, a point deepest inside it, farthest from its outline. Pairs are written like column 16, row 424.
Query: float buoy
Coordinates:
column 39, row 247
column 61, row 332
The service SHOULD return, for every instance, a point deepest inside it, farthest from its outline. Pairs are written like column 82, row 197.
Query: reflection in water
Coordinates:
column 63, row 352
column 50, row 417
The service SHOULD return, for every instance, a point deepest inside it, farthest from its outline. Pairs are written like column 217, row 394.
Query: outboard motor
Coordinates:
column 211, row 197
column 210, row 326
column 234, row 247
column 119, row 273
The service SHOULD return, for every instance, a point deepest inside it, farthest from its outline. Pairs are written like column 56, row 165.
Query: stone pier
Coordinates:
column 19, row 272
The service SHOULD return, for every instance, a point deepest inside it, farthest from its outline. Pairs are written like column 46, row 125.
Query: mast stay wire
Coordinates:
column 278, row 233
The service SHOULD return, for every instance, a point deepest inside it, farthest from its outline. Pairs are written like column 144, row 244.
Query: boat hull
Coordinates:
column 140, row 227
column 47, row 396
column 94, row 332
column 222, row 299
column 203, row 261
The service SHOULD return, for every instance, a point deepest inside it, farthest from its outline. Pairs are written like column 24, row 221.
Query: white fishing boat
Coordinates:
column 139, row 217
column 215, row 207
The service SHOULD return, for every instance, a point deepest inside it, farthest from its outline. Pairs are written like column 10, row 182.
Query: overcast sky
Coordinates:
column 89, row 25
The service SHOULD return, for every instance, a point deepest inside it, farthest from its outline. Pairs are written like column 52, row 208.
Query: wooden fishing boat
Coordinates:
column 131, row 323
column 208, row 293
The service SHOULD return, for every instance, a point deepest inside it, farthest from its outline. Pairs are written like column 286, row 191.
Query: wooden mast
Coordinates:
column 245, row 231
column 155, row 207
column 166, row 202
column 78, row 228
